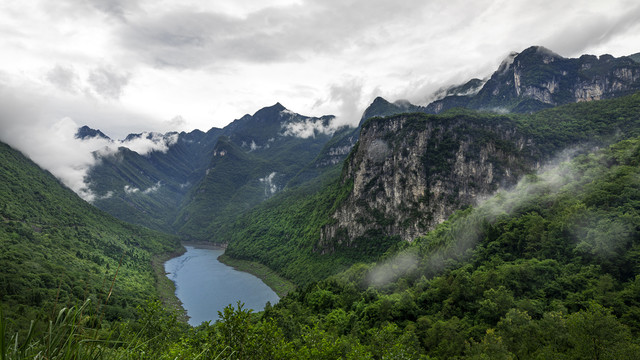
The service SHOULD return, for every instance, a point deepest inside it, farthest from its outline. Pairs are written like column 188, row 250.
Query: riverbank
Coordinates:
column 277, row 283
column 205, row 245
column 165, row 287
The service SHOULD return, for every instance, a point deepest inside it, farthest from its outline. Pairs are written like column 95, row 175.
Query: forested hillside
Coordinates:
column 57, row 250
column 547, row 269
column 257, row 159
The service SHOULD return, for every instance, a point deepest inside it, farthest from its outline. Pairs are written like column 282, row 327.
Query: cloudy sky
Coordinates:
column 127, row 66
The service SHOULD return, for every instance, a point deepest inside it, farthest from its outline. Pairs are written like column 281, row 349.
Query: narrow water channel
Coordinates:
column 206, row 286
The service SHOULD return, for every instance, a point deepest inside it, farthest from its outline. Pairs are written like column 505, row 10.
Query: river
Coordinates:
column 206, row 286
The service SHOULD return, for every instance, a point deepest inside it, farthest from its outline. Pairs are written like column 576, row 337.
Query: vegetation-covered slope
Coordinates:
column 547, row 269
column 281, row 232
column 57, row 250
column 258, row 158
column 285, row 232
column 149, row 189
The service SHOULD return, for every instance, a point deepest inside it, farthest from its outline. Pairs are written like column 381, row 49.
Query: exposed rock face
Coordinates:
column 410, row 172
column 538, row 78
column 547, row 78
column 336, row 154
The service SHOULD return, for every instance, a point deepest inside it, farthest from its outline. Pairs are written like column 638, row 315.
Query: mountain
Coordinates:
column 547, row 269
column 255, row 159
column 534, row 79
column 148, row 189
column 635, row 57
column 186, row 187
column 538, row 78
column 86, row 132
column 381, row 108
column 177, row 191
column 469, row 233
column 57, row 250
column 410, row 172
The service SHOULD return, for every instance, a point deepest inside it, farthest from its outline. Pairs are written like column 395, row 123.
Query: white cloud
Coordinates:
column 146, row 142
column 270, row 187
column 309, row 128
column 128, row 189
column 108, row 82
column 108, row 195
column 64, row 78
column 391, row 269
column 212, row 63
column 152, row 189
column 29, row 125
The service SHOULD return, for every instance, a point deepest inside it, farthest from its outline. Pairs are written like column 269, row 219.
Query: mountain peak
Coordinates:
column 506, row 63
column 537, row 54
column 379, row 100
column 86, row 132
column 269, row 111
column 539, row 50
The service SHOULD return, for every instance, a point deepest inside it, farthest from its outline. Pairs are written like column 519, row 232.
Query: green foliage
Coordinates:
column 239, row 177
column 161, row 179
column 548, row 269
column 56, row 250
column 282, row 233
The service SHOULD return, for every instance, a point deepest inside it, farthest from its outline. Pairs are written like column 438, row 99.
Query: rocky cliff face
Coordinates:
column 538, row 78
column 534, row 79
column 411, row 171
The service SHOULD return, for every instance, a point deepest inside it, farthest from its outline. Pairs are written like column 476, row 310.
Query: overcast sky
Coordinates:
column 131, row 65
column 127, row 66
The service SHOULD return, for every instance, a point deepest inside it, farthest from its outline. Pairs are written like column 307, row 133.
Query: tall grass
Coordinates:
column 66, row 337
column 75, row 333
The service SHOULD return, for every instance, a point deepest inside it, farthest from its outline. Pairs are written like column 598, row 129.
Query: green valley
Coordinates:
column 555, row 258
column 500, row 221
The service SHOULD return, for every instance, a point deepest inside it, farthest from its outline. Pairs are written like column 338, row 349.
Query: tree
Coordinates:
column 597, row 334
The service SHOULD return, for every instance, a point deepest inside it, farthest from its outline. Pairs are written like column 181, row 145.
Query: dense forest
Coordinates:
column 57, row 250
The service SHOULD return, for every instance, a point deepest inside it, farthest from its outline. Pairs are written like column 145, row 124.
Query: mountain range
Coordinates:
column 205, row 180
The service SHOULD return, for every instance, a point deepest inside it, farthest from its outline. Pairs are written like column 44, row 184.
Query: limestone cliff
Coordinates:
column 538, row 78
column 411, row 171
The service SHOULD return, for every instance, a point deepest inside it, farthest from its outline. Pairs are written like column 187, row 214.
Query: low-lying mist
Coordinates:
column 454, row 240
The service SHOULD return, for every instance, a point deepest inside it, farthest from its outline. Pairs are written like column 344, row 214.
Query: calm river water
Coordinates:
column 206, row 286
